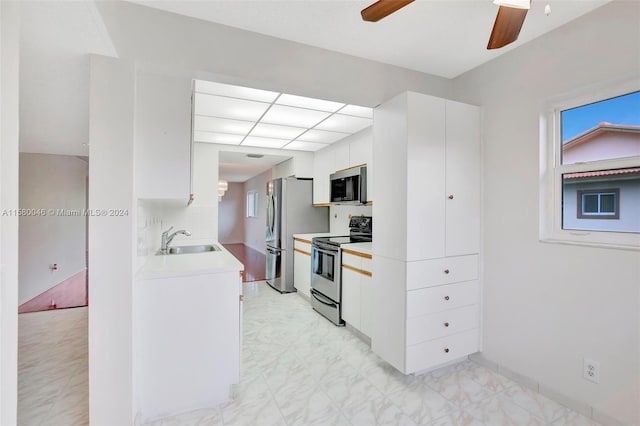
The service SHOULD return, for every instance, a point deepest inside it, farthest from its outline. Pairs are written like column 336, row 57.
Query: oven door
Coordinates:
column 325, row 272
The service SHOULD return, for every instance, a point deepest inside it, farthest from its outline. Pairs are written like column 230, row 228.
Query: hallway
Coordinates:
column 254, row 262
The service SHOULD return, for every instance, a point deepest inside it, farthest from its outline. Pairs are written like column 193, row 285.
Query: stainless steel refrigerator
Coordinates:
column 290, row 211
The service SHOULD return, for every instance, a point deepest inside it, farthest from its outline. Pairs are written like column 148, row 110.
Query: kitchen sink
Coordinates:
column 192, row 249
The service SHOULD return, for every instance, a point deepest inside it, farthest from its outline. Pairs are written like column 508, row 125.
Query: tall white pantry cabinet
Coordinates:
column 426, row 296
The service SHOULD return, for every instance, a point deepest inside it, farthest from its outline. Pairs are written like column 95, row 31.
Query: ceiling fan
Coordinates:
column 506, row 28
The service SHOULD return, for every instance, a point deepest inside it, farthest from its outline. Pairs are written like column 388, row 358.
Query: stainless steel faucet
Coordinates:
column 167, row 238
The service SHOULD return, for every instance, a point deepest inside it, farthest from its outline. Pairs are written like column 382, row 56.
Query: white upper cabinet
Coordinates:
column 462, row 179
column 323, row 162
column 355, row 150
column 163, row 137
column 427, row 154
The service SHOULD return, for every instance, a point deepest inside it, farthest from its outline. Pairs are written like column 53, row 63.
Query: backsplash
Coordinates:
column 339, row 216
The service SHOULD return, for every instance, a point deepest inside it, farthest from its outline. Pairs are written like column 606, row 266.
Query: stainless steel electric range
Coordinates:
column 326, row 264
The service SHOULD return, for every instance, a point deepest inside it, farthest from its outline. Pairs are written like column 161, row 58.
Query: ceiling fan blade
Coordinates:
column 507, row 26
column 382, row 8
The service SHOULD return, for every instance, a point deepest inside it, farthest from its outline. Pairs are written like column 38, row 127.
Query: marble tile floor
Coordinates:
column 299, row 369
column 53, row 367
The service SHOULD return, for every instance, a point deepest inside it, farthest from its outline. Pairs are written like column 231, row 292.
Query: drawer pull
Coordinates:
column 446, row 271
column 451, row 197
column 446, row 324
column 446, row 350
column 446, row 298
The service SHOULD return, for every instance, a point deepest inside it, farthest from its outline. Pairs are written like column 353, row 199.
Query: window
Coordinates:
column 591, row 169
column 252, row 204
column 598, row 204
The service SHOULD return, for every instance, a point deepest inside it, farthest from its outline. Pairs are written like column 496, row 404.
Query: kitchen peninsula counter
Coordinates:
column 181, row 265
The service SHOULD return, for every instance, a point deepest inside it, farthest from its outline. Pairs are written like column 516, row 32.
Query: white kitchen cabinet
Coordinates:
column 323, row 163
column 425, row 279
column 302, row 266
column 341, row 155
column 187, row 342
column 356, row 289
column 163, row 144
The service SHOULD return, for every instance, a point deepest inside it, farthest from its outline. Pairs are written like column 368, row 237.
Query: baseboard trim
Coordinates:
column 580, row 407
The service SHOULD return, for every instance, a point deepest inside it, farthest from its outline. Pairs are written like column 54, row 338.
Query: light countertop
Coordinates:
column 308, row 237
column 180, row 265
column 359, row 247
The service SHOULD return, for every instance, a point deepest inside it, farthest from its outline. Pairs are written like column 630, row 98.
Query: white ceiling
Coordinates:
column 55, row 38
column 234, row 115
column 239, row 167
column 440, row 37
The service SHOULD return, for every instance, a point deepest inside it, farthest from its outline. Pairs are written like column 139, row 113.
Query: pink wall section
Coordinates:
column 69, row 293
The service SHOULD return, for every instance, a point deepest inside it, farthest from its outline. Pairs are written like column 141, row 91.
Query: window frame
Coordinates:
column 552, row 169
column 599, row 192
column 251, row 207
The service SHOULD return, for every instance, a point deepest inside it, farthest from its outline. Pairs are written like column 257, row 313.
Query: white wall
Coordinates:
column 231, row 214
column 112, row 240
column 9, row 84
column 51, row 182
column 547, row 306
column 235, row 56
column 340, row 215
column 255, row 227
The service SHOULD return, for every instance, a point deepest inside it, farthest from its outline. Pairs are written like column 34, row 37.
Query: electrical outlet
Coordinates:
column 591, row 370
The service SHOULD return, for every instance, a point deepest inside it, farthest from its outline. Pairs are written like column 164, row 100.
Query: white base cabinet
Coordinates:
column 302, row 266
column 186, row 343
column 356, row 290
column 425, row 278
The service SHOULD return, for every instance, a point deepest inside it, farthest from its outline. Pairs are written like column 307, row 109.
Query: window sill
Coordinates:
column 576, row 240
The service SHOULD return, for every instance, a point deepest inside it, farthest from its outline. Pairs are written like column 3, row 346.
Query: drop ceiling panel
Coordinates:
column 222, row 125
column 305, row 146
column 285, row 115
column 322, row 136
column 344, row 123
column 309, row 103
column 224, row 107
column 231, row 91
column 264, row 142
column 276, row 131
column 357, row 111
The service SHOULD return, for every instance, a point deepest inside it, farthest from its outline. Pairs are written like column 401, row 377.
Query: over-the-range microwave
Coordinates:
column 349, row 186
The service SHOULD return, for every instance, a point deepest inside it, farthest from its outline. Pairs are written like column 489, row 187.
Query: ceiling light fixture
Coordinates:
column 223, row 185
column 517, row 4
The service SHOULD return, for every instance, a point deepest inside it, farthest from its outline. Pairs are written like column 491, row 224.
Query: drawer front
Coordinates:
column 429, row 273
column 302, row 246
column 435, row 352
column 351, row 260
column 434, row 326
column 430, row 300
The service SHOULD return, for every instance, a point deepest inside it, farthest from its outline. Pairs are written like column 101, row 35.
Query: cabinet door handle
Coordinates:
column 446, row 350
column 446, row 298
column 446, row 324
column 446, row 271
column 451, row 197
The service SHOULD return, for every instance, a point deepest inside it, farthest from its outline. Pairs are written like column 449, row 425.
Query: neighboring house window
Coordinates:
column 591, row 169
column 598, row 204
column 252, row 204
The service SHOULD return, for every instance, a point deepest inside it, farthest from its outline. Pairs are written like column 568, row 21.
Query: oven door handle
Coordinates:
column 318, row 296
column 321, row 250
